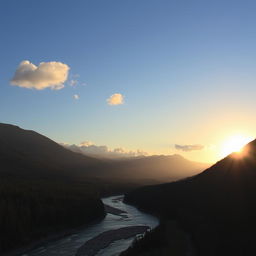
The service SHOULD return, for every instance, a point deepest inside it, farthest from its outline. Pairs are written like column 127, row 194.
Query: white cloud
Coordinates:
column 73, row 82
column 47, row 74
column 76, row 97
column 85, row 144
column 90, row 149
column 115, row 99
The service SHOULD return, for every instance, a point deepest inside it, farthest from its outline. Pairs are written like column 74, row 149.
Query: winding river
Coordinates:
column 110, row 237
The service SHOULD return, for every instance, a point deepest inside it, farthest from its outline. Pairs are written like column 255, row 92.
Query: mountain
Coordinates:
column 141, row 169
column 27, row 152
column 46, row 188
column 152, row 169
column 216, row 207
column 41, row 192
column 36, row 154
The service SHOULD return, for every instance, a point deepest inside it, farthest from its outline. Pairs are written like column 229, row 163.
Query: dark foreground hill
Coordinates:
column 217, row 207
column 30, row 153
column 40, row 193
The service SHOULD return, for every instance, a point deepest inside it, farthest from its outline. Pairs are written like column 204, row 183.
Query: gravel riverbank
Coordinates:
column 104, row 239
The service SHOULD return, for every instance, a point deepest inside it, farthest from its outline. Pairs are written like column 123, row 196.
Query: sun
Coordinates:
column 234, row 144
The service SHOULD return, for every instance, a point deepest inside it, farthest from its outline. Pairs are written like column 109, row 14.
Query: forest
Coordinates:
column 35, row 209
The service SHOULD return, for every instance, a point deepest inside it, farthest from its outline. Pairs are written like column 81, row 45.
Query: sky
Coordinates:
column 164, row 77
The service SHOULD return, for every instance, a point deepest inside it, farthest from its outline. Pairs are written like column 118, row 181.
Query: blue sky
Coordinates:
column 186, row 70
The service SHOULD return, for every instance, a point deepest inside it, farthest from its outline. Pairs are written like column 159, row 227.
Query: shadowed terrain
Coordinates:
column 152, row 169
column 46, row 188
column 39, row 194
column 28, row 154
column 217, row 207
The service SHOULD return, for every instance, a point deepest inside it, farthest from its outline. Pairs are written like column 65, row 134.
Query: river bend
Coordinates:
column 120, row 218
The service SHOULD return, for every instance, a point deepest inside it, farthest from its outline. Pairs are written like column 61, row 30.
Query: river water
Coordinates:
column 69, row 245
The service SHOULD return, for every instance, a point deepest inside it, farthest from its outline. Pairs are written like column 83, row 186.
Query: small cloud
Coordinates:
column 116, row 99
column 76, row 97
column 188, row 148
column 86, row 144
column 73, row 82
column 46, row 75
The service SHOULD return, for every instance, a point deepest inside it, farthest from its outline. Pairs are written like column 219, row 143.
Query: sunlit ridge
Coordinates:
column 235, row 144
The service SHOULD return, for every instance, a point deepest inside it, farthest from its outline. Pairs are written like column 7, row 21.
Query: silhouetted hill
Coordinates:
column 36, row 154
column 216, row 206
column 40, row 189
column 31, row 153
column 27, row 154
column 45, row 188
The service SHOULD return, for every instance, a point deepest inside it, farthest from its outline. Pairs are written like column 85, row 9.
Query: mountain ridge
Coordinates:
column 40, row 194
column 217, row 206
column 45, row 188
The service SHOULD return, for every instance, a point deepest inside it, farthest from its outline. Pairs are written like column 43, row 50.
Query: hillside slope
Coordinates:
column 217, row 206
column 34, row 153
column 40, row 191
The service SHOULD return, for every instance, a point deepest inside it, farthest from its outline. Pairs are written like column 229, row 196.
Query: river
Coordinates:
column 119, row 216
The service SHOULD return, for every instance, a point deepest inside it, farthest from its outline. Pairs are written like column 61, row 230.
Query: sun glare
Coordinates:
column 235, row 144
